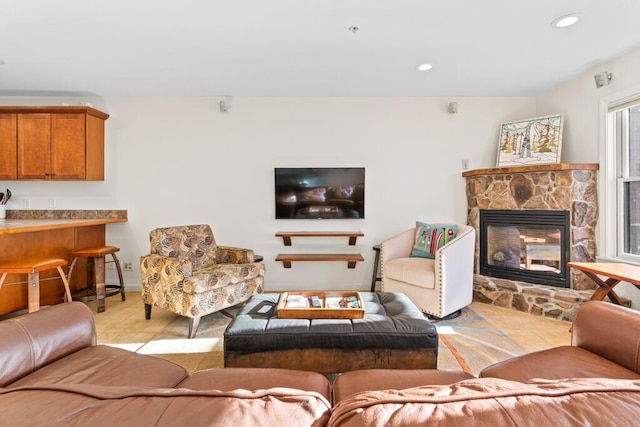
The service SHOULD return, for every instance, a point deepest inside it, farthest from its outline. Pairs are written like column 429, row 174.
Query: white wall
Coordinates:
column 173, row 161
column 583, row 139
column 579, row 100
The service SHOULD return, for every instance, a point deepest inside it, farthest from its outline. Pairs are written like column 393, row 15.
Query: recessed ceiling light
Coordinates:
column 565, row 20
column 425, row 67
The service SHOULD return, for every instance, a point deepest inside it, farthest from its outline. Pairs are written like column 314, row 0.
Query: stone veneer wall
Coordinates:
column 545, row 187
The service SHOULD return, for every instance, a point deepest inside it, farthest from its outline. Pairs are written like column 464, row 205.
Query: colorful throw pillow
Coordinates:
column 429, row 238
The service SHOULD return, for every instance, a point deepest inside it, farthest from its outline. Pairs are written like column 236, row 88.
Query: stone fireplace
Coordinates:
column 563, row 187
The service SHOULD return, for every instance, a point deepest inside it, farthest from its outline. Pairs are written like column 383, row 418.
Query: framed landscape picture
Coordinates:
column 533, row 141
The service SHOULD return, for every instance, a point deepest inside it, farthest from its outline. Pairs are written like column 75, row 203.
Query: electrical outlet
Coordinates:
column 52, row 203
column 26, row 203
column 128, row 265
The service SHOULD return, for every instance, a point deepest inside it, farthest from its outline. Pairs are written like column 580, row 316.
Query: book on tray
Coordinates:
column 342, row 302
column 297, row 301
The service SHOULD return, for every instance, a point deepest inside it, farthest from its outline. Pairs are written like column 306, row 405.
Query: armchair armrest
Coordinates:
column 454, row 266
column 398, row 246
column 155, row 264
column 233, row 255
column 456, row 257
column 610, row 331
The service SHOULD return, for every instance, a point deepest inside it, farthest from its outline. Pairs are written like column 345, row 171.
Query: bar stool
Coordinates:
column 33, row 267
column 96, row 287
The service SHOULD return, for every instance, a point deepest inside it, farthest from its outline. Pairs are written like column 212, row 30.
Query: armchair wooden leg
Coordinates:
column 147, row 311
column 194, row 322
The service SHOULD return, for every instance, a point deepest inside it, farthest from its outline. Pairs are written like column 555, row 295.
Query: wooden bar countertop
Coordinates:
column 49, row 234
column 13, row 226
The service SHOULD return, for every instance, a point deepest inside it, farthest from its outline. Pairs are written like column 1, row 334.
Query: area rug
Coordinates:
column 470, row 343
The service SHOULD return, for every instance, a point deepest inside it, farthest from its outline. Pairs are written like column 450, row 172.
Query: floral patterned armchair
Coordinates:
column 188, row 274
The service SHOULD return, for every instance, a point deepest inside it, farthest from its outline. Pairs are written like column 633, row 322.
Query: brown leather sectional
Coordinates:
column 52, row 373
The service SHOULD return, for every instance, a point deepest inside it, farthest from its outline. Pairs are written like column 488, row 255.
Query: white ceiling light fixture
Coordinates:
column 425, row 67
column 566, row 20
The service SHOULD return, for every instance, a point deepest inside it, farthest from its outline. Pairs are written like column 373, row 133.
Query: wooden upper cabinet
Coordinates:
column 8, row 146
column 60, row 143
column 68, row 146
column 34, row 146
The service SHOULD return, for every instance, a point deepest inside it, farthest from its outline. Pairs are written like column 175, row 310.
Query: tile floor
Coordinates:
column 164, row 335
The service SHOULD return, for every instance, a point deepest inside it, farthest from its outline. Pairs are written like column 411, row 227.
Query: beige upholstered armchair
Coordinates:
column 439, row 286
column 188, row 274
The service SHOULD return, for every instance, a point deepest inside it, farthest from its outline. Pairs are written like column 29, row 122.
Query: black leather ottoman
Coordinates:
column 393, row 334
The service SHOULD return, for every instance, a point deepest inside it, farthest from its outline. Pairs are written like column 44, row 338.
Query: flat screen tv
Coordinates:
column 319, row 193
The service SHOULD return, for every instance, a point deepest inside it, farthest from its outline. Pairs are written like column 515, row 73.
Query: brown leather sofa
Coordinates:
column 53, row 373
column 595, row 381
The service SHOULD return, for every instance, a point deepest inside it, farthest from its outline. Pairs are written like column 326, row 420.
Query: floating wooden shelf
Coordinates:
column 287, row 235
column 351, row 259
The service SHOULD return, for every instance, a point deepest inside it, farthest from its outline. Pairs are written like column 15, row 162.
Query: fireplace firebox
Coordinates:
column 527, row 245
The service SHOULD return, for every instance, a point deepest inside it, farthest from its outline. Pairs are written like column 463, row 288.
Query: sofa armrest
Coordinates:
column 610, row 331
column 232, row 255
column 36, row 339
column 398, row 246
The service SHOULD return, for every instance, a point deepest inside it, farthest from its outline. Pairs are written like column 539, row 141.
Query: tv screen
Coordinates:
column 319, row 193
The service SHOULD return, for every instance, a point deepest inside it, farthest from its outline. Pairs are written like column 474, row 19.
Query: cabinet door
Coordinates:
column 34, row 146
column 68, row 155
column 8, row 146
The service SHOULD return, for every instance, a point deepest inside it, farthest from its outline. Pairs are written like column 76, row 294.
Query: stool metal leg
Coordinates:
column 71, row 267
column 65, row 281
column 119, row 269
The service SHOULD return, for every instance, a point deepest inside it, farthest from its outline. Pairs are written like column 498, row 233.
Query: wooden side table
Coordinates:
column 615, row 273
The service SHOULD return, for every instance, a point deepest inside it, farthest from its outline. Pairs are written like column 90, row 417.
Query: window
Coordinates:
column 624, row 136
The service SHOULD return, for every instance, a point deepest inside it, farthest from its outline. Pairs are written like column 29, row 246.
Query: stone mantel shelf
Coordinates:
column 532, row 168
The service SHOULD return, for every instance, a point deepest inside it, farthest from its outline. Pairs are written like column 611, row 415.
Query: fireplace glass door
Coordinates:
column 525, row 245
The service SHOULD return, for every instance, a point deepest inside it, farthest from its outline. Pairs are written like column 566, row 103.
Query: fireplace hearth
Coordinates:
column 526, row 245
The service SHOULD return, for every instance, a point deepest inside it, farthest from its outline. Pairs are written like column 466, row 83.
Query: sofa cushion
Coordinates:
column 431, row 237
column 496, row 402
column 32, row 341
column 382, row 379
column 227, row 379
column 558, row 363
column 91, row 405
column 103, row 365
column 415, row 271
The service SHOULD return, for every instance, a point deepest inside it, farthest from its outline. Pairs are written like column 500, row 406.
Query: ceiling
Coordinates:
column 304, row 47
